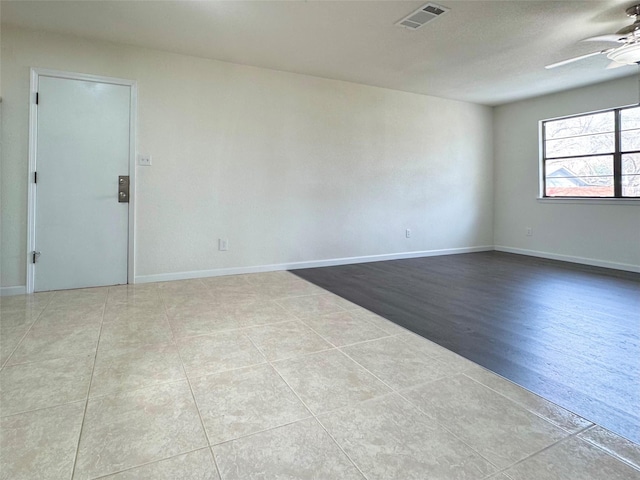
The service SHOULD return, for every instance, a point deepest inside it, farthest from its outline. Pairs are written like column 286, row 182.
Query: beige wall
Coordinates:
column 600, row 233
column 289, row 168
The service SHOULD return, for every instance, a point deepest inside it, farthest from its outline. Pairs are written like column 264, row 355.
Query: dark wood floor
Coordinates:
column 567, row 332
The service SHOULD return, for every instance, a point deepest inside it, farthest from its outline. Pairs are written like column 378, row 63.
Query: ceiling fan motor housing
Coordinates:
column 633, row 11
column 627, row 54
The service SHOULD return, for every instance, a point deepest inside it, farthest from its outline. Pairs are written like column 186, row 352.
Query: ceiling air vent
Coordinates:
column 422, row 16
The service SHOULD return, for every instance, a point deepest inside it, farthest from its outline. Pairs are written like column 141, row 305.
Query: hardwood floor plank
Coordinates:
column 568, row 332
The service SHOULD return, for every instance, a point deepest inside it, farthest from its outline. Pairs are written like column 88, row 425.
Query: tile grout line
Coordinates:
column 213, row 459
column 4, row 365
column 193, row 396
column 394, row 390
column 565, row 279
column 313, row 414
column 447, row 429
column 520, row 404
column 531, row 455
column 397, row 392
column 386, row 335
column 601, row 447
column 196, row 404
column 391, row 392
column 135, row 389
column 285, row 309
column 257, row 432
column 42, row 408
column 213, row 455
column 325, row 292
column 168, row 382
column 86, row 404
column 569, row 434
column 31, row 362
column 281, row 377
column 302, row 320
column 347, row 406
column 148, row 463
column 305, row 354
column 340, row 447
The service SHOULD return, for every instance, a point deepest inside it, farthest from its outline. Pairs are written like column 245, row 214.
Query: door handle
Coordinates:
column 123, row 189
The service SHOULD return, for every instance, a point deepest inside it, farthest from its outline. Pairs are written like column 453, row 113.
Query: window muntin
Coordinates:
column 590, row 176
column 593, row 123
column 592, row 155
column 582, row 145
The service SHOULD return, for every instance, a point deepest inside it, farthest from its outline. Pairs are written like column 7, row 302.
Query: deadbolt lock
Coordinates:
column 123, row 189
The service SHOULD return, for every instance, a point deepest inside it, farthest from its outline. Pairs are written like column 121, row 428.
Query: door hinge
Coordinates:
column 35, row 256
column 35, row 177
column 37, row 98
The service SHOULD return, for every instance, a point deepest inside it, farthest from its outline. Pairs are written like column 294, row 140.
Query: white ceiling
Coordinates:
column 488, row 52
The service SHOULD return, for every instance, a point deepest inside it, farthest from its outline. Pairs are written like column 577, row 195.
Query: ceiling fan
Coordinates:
column 626, row 53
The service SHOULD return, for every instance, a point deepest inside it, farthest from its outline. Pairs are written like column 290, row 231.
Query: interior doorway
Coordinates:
column 82, row 144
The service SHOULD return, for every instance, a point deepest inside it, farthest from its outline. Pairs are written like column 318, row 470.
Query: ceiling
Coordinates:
column 487, row 52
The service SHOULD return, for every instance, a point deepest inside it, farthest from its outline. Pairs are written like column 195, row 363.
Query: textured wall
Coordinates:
column 288, row 167
column 600, row 231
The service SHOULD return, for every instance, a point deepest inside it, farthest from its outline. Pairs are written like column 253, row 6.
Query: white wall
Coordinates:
column 289, row 168
column 597, row 233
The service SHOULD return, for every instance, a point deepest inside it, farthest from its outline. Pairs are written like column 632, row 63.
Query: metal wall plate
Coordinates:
column 123, row 189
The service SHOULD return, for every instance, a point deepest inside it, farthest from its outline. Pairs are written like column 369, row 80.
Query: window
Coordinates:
column 592, row 155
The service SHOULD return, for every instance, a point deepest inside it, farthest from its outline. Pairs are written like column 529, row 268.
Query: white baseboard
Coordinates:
column 569, row 258
column 164, row 277
column 17, row 290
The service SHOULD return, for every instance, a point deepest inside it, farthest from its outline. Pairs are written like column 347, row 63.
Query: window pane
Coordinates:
column 630, row 140
column 631, row 185
column 586, row 124
column 585, row 145
column 631, row 175
column 630, row 118
column 580, row 177
column 631, row 164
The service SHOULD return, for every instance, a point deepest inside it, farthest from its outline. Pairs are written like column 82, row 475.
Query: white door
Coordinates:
column 82, row 147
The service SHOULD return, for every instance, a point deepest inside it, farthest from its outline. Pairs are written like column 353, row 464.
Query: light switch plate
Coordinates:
column 144, row 160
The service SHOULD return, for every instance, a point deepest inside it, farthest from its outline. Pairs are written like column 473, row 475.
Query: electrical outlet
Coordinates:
column 144, row 160
column 407, row 233
column 528, row 231
column 223, row 244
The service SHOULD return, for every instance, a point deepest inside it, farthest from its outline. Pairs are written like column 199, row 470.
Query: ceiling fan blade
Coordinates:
column 575, row 59
column 634, row 27
column 611, row 37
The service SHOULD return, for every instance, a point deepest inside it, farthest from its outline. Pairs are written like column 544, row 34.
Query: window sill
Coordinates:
column 590, row 201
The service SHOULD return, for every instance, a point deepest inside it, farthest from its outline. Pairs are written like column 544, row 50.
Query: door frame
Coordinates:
column 36, row 73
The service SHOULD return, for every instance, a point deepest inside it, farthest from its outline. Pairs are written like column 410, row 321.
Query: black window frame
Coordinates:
column 617, row 155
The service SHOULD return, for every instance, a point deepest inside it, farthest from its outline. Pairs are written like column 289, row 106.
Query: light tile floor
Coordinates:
column 265, row 376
